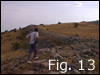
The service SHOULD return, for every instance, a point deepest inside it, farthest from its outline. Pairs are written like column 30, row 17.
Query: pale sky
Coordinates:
column 15, row 14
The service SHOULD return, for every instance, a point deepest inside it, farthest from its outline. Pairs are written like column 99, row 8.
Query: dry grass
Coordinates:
column 12, row 55
column 6, row 46
column 83, row 30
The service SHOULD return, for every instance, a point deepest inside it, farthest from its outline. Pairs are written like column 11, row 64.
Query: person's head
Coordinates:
column 36, row 29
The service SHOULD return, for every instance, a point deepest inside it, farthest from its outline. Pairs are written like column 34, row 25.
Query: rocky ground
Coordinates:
column 72, row 50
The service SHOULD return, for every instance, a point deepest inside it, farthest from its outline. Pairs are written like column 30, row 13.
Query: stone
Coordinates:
column 58, row 47
column 45, row 65
column 53, row 51
column 29, row 72
column 96, row 51
column 76, row 71
column 53, row 72
column 86, row 51
column 9, row 71
column 57, row 55
column 37, row 64
column 39, row 61
column 84, row 72
column 75, row 60
column 90, row 73
column 44, row 50
column 22, row 61
column 16, row 64
column 89, row 53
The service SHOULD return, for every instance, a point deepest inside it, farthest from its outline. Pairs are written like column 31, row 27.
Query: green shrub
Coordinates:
column 16, row 45
column 5, row 31
column 41, row 24
column 76, row 35
column 8, row 35
column 20, row 37
column 25, row 45
column 76, row 25
column 59, row 22
column 47, row 29
column 15, row 30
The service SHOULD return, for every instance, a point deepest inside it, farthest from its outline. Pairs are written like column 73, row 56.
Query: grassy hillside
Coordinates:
column 73, row 44
column 83, row 30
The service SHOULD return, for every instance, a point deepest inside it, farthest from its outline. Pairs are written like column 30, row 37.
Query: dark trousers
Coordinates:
column 32, row 47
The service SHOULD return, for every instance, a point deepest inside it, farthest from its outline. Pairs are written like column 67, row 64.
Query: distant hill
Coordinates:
column 60, row 41
column 93, row 22
column 84, row 29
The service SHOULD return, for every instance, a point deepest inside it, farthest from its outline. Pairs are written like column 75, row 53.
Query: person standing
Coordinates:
column 33, row 43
